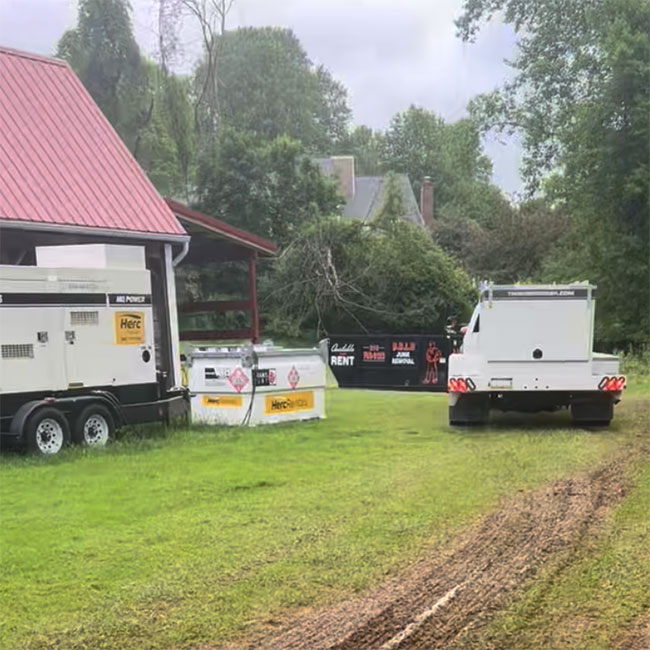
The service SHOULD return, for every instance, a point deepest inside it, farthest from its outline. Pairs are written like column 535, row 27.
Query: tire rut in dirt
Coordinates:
column 638, row 638
column 481, row 570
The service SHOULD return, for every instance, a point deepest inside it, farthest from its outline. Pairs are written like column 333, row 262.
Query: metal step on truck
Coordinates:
column 529, row 348
column 78, row 357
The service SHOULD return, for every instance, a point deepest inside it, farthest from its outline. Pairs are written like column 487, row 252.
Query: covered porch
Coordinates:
column 214, row 242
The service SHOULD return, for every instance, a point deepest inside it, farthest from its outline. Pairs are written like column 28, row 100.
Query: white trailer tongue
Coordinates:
column 529, row 348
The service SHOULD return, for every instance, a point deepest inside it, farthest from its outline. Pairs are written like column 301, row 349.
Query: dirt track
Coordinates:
column 455, row 591
column 639, row 636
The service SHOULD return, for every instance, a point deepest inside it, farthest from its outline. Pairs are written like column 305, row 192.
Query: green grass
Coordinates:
column 595, row 598
column 196, row 536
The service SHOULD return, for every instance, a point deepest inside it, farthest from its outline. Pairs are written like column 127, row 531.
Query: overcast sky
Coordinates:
column 388, row 53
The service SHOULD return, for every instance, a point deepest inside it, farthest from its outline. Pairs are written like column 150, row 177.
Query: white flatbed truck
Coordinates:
column 77, row 351
column 529, row 348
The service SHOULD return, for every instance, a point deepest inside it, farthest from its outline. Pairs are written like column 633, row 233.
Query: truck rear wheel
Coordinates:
column 94, row 426
column 46, row 431
column 470, row 409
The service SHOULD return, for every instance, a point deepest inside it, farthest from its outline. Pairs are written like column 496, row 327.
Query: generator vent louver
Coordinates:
column 18, row 351
column 84, row 318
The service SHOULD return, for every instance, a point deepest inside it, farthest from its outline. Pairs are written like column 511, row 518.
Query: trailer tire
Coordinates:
column 94, row 426
column 46, row 431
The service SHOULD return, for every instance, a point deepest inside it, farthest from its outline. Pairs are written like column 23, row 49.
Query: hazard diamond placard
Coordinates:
column 238, row 379
column 293, row 377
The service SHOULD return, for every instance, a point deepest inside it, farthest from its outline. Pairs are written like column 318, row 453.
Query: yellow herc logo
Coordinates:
column 129, row 328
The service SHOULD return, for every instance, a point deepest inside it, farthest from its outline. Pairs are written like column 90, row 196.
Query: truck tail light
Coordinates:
column 613, row 384
column 460, row 385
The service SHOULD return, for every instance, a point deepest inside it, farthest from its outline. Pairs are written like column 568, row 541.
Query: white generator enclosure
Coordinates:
column 529, row 348
column 77, row 330
column 256, row 386
column 77, row 322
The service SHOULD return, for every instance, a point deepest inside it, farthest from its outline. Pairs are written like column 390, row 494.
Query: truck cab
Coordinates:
column 530, row 348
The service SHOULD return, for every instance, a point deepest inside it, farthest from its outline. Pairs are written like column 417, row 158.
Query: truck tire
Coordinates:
column 470, row 410
column 594, row 411
column 46, row 431
column 94, row 426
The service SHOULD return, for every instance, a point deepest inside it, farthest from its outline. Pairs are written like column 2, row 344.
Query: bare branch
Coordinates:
column 210, row 17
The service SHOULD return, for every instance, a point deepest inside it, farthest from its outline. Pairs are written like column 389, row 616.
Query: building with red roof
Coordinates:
column 67, row 178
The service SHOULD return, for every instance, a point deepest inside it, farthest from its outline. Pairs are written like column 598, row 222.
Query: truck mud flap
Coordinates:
column 596, row 409
column 470, row 409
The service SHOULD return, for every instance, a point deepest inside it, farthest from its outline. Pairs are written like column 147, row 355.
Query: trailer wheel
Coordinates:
column 94, row 426
column 46, row 431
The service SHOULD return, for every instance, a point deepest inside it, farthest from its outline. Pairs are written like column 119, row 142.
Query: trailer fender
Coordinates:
column 22, row 415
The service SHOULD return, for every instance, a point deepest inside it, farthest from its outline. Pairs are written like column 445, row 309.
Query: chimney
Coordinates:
column 343, row 169
column 426, row 202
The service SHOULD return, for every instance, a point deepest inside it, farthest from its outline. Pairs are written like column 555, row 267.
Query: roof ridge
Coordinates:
column 33, row 57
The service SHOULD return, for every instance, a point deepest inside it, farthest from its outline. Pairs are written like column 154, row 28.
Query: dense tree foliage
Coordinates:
column 581, row 99
column 148, row 108
column 268, row 187
column 236, row 138
column 269, row 86
column 513, row 245
column 366, row 145
column 103, row 52
column 419, row 143
column 353, row 276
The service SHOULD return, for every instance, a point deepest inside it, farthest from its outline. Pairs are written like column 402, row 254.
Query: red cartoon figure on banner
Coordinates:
column 432, row 356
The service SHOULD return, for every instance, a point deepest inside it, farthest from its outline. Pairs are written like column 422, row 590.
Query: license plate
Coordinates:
column 503, row 383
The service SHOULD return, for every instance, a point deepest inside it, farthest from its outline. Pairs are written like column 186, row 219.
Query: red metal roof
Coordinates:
column 61, row 162
column 222, row 228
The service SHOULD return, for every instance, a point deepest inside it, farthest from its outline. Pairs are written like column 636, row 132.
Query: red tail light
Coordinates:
column 460, row 385
column 613, row 384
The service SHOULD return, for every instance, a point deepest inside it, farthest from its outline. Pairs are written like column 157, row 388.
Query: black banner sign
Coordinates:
column 415, row 362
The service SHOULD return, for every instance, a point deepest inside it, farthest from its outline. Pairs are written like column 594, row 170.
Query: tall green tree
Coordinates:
column 167, row 148
column 513, row 245
column 580, row 97
column 103, row 52
column 419, row 143
column 148, row 107
column 268, row 86
column 266, row 187
column 366, row 145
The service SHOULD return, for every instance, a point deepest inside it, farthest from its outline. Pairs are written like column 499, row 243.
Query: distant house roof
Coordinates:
column 369, row 195
column 62, row 162
column 365, row 195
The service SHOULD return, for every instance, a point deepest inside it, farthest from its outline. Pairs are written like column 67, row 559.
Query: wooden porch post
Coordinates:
column 252, row 296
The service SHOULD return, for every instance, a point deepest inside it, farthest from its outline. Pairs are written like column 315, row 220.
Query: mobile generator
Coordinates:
column 78, row 357
column 530, row 348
